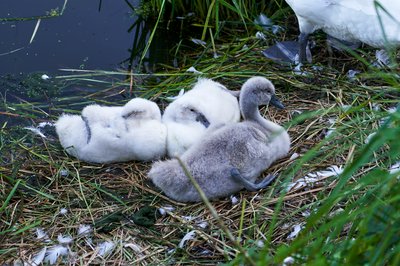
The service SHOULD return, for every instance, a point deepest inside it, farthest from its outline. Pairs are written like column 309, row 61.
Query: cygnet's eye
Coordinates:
column 190, row 109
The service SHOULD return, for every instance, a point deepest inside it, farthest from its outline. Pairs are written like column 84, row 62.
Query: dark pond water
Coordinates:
column 89, row 35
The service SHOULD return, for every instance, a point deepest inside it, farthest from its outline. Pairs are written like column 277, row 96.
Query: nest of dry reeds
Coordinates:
column 48, row 196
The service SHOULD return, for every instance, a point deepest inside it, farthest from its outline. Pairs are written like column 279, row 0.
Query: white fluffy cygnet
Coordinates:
column 188, row 117
column 114, row 134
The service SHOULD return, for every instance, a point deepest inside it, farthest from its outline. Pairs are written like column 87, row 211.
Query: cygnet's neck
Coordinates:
column 250, row 112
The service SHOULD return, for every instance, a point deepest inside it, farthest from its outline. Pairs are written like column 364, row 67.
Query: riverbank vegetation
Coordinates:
column 335, row 202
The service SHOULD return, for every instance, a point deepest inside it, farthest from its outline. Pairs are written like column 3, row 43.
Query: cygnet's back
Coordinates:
column 187, row 117
column 228, row 157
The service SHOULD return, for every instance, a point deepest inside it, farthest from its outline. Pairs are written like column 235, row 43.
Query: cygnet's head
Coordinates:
column 258, row 91
column 189, row 114
column 91, row 109
column 94, row 111
column 139, row 108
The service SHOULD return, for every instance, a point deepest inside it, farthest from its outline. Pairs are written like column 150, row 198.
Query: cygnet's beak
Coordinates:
column 133, row 114
column 275, row 102
column 88, row 130
column 202, row 119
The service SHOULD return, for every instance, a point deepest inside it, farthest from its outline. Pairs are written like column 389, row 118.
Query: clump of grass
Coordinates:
column 211, row 14
column 212, row 9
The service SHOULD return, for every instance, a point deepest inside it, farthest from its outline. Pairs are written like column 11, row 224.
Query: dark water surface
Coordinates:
column 87, row 36
column 90, row 35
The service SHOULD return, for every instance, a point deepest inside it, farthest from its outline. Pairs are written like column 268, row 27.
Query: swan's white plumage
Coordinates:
column 207, row 97
column 350, row 20
column 182, row 135
column 114, row 134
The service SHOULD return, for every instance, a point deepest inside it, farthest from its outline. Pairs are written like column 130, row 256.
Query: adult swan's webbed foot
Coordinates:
column 235, row 174
column 286, row 52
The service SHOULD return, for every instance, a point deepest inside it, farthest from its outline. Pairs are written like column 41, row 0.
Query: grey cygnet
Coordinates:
column 229, row 157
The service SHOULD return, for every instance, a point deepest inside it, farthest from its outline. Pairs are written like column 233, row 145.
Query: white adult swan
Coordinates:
column 349, row 20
